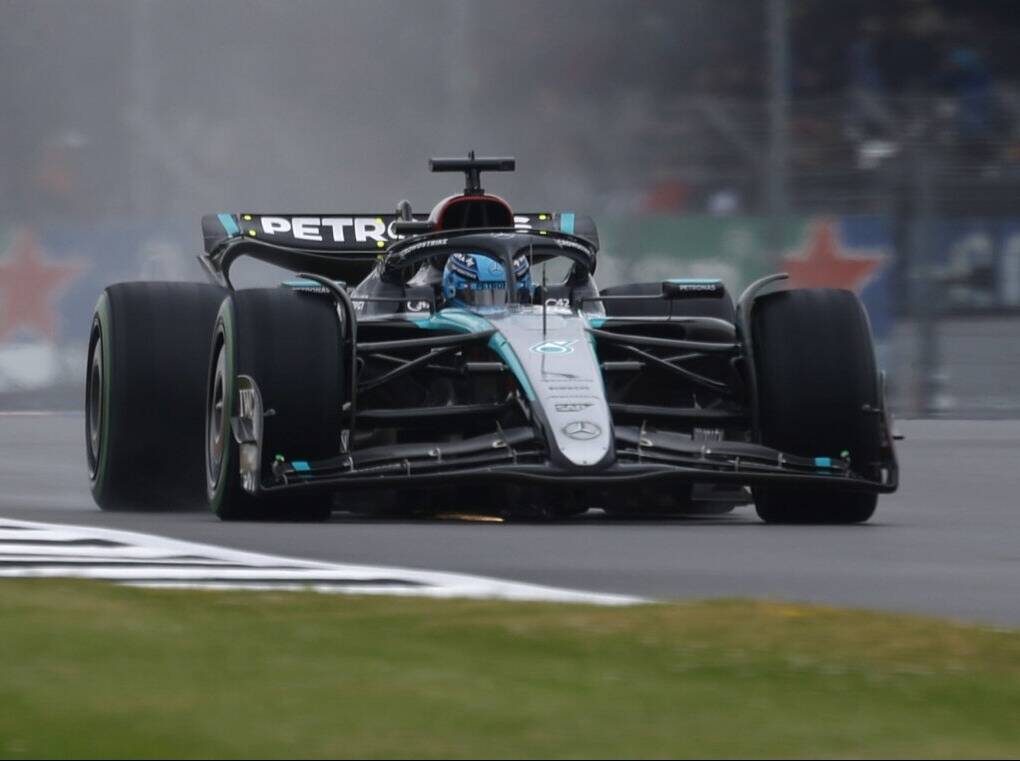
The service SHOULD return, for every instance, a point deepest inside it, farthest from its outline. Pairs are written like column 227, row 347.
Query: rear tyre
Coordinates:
column 290, row 344
column 818, row 392
column 145, row 392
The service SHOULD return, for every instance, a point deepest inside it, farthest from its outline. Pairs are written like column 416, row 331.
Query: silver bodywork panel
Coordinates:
column 558, row 358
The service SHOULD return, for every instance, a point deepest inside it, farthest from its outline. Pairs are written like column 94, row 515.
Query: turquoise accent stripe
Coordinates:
column 502, row 347
column 823, row 462
column 227, row 220
column 300, row 465
column 596, row 322
column 567, row 222
column 452, row 319
column 695, row 280
column 302, row 283
column 465, row 322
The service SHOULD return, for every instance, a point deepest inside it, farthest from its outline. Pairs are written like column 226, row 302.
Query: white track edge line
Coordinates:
column 497, row 588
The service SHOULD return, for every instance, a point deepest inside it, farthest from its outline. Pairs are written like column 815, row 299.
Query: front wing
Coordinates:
column 517, row 455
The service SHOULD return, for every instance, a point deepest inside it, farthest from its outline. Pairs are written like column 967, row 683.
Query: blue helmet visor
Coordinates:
column 490, row 294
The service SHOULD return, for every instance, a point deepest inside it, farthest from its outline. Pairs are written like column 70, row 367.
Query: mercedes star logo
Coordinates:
column 581, row 430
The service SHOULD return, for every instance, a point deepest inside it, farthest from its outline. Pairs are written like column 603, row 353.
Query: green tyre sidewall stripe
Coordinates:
column 104, row 319
column 224, row 326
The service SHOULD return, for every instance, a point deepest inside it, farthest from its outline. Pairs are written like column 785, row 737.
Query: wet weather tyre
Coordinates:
column 818, row 390
column 145, row 385
column 289, row 343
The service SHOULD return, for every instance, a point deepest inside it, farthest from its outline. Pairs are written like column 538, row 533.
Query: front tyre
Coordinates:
column 145, row 393
column 289, row 343
column 818, row 395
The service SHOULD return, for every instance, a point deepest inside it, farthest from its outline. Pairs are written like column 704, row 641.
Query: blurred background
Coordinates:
column 868, row 144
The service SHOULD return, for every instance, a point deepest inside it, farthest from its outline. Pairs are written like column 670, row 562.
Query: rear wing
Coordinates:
column 340, row 234
column 341, row 246
column 354, row 234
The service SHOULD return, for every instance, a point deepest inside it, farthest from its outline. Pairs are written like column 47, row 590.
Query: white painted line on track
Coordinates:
column 46, row 550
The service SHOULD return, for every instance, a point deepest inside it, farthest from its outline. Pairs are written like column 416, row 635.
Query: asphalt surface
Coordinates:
column 947, row 543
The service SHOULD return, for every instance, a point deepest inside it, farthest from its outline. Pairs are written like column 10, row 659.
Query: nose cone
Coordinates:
column 584, row 442
column 564, row 372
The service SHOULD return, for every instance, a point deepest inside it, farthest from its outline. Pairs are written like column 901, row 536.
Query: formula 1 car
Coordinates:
column 426, row 362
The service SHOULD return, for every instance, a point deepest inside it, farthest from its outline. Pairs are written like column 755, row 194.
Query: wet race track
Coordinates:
column 947, row 543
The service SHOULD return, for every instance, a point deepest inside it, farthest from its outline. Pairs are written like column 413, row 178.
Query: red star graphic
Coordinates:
column 29, row 284
column 824, row 263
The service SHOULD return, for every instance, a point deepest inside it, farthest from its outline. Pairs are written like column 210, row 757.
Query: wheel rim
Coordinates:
column 217, row 417
column 94, row 404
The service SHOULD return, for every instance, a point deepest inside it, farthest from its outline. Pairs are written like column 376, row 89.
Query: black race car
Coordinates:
column 467, row 359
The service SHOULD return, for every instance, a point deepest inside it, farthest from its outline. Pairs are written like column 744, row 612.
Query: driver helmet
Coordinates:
column 476, row 281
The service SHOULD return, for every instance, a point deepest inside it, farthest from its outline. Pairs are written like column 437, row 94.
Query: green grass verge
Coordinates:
column 92, row 670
